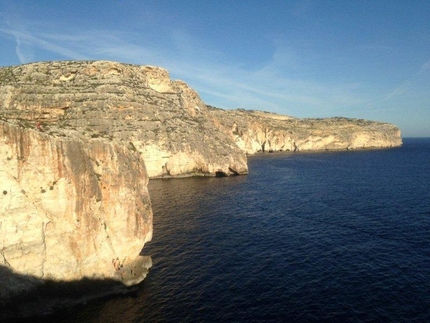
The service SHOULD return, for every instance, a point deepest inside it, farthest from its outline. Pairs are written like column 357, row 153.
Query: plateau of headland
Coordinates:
column 79, row 141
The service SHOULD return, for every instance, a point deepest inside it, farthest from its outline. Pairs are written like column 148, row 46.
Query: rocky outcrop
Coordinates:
column 164, row 120
column 256, row 131
column 79, row 140
column 71, row 207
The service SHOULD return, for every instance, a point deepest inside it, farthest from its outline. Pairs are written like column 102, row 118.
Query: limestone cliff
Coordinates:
column 164, row 120
column 256, row 131
column 79, row 140
column 71, row 207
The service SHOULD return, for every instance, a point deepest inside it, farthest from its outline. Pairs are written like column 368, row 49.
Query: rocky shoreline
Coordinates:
column 79, row 141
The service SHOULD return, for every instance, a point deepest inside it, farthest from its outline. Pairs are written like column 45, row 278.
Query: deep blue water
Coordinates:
column 336, row 237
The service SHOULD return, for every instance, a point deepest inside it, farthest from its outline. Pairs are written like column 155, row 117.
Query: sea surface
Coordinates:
column 305, row 237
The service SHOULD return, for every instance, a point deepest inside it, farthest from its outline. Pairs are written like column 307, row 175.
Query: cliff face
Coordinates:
column 71, row 207
column 164, row 120
column 256, row 131
column 79, row 140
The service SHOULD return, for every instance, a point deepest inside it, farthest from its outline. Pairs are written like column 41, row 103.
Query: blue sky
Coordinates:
column 304, row 58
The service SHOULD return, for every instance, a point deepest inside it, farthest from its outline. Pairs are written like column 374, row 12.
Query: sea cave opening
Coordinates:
column 220, row 174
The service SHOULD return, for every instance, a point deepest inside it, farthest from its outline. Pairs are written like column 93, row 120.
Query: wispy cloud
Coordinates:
column 200, row 65
column 411, row 84
column 26, row 43
column 24, row 54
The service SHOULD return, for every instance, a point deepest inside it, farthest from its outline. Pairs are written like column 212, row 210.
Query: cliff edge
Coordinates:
column 70, row 208
column 164, row 120
column 257, row 131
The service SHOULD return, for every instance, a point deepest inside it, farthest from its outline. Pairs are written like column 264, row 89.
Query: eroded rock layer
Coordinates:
column 164, row 120
column 256, row 131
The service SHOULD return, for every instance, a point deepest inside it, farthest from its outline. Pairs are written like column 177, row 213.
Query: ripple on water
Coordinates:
column 303, row 237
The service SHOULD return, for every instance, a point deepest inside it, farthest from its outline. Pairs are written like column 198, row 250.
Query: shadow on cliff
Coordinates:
column 25, row 298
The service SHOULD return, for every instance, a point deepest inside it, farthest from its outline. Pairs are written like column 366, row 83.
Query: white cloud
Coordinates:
column 25, row 53
column 22, row 55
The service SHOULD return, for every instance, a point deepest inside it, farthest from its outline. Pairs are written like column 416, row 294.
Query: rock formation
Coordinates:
column 256, row 131
column 164, row 120
column 70, row 207
column 79, row 140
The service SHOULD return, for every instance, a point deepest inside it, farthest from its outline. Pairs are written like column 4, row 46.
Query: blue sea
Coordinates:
column 305, row 237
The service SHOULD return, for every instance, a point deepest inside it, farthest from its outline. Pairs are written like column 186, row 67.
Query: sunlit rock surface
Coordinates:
column 79, row 140
column 70, row 207
column 164, row 120
column 256, row 131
